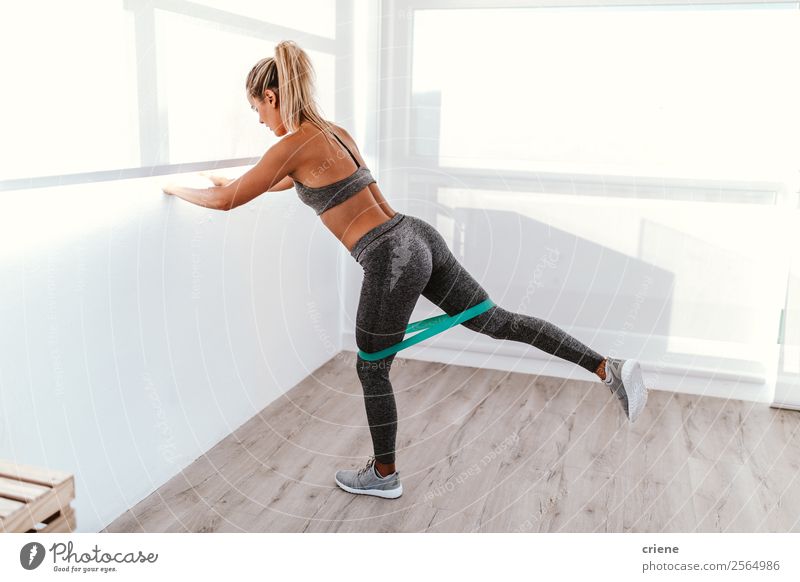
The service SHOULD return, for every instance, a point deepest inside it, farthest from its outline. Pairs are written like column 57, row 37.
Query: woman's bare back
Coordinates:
column 319, row 163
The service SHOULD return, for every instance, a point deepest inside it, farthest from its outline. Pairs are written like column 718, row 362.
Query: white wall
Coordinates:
column 138, row 329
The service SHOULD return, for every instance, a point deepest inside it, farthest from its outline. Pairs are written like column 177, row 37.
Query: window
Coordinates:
column 132, row 88
column 69, row 99
column 202, row 71
column 653, row 91
column 654, row 145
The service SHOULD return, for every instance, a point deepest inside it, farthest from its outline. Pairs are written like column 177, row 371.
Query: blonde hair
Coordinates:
column 291, row 76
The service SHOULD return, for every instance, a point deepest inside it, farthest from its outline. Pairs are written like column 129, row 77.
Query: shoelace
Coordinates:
column 363, row 470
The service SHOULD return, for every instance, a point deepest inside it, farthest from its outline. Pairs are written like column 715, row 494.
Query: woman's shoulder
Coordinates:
column 308, row 143
column 341, row 132
column 309, row 131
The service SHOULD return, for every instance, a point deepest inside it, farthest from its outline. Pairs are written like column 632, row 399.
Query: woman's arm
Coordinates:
column 210, row 197
column 205, row 197
column 284, row 184
column 218, row 180
column 268, row 174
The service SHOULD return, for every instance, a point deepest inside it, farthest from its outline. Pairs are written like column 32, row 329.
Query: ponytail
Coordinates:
column 291, row 76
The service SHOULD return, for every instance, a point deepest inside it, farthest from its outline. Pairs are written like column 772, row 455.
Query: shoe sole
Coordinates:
column 633, row 383
column 386, row 494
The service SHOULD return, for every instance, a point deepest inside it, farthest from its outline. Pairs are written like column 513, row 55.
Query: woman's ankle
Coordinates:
column 383, row 469
column 601, row 370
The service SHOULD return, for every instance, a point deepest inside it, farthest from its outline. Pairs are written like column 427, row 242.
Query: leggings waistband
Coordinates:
column 373, row 234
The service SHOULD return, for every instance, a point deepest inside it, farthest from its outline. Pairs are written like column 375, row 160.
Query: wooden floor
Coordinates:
column 491, row 451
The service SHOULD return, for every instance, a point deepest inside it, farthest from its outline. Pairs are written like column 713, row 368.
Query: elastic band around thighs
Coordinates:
column 431, row 327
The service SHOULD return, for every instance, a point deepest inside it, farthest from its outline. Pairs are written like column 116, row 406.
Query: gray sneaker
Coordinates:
column 624, row 378
column 366, row 481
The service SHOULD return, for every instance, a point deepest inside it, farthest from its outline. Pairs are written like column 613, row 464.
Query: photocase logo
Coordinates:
column 31, row 555
column 66, row 559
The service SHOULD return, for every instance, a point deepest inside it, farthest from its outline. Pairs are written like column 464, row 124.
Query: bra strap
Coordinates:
column 348, row 149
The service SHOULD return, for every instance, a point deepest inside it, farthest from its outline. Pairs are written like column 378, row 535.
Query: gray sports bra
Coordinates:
column 325, row 197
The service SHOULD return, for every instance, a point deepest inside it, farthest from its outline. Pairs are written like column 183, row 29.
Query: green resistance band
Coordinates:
column 431, row 327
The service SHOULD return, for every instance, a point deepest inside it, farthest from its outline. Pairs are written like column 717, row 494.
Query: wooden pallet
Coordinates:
column 34, row 500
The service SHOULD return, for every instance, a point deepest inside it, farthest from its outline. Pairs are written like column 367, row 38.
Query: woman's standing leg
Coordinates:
column 397, row 267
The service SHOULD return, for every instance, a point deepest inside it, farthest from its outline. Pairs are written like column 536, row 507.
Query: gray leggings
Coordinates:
column 402, row 259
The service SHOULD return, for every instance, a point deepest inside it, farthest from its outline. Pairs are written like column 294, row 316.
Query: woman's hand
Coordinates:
column 217, row 180
column 207, row 197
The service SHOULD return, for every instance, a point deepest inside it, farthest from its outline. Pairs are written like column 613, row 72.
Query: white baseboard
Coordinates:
column 786, row 405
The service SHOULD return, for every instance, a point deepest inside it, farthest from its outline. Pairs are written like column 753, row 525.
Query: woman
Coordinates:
column 402, row 256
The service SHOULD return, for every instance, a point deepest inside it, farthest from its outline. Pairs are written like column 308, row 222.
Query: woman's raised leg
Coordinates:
column 452, row 288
